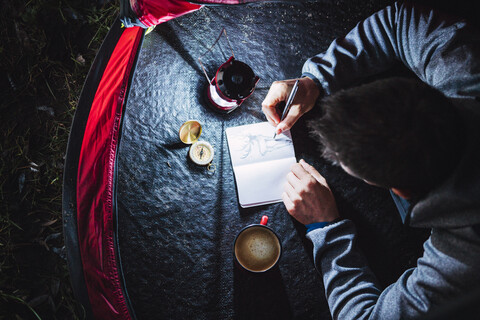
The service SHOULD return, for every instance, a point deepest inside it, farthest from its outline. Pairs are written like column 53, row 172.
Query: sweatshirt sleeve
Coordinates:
column 352, row 290
column 442, row 51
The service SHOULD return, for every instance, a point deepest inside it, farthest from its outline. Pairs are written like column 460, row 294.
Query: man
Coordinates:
column 400, row 134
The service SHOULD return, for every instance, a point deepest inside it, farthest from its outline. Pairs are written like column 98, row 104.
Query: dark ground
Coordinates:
column 46, row 49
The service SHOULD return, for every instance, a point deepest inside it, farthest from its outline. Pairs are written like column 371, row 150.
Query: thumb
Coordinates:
column 310, row 169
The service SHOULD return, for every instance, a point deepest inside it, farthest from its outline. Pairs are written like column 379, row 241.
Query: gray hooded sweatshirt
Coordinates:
column 445, row 53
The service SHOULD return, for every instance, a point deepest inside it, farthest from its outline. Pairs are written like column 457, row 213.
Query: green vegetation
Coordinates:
column 46, row 49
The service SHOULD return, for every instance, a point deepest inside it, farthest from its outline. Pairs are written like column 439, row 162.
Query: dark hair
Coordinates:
column 395, row 132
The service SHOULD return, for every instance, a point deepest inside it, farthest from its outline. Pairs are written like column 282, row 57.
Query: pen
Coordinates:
column 289, row 103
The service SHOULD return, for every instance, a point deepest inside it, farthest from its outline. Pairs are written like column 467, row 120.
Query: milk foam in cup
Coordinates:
column 257, row 247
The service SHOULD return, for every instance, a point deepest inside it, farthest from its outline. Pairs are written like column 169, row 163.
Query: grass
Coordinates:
column 46, row 49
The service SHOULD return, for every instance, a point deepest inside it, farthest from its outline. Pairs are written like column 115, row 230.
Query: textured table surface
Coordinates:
column 177, row 221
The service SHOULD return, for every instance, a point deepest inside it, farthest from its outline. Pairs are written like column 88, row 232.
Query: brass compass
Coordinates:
column 201, row 153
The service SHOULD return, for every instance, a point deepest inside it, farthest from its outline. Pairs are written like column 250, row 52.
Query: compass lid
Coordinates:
column 190, row 131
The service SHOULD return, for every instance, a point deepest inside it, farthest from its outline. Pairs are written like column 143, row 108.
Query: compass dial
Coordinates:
column 201, row 152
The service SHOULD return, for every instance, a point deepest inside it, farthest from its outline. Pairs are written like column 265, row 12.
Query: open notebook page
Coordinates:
column 260, row 163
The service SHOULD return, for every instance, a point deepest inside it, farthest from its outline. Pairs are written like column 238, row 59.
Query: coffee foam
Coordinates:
column 257, row 248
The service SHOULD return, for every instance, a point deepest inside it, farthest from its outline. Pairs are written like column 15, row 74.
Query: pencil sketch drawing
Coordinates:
column 260, row 162
column 254, row 146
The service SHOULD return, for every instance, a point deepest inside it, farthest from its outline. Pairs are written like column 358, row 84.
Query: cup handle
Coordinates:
column 264, row 220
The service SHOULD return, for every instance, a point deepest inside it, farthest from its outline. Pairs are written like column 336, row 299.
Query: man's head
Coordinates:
column 397, row 133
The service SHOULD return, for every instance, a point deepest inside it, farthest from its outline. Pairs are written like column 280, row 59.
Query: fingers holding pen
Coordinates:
column 292, row 116
column 270, row 120
column 278, row 93
column 307, row 94
column 291, row 96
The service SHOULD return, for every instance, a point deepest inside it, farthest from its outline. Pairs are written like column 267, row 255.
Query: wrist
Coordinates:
column 312, row 84
column 317, row 225
column 312, row 87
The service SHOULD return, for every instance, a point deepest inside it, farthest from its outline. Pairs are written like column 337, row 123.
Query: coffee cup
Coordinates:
column 257, row 247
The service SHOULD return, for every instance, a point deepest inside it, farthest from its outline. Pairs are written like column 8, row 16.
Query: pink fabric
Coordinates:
column 95, row 183
column 153, row 12
column 226, row 1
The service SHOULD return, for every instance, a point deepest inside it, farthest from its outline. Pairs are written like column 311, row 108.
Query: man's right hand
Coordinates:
column 304, row 101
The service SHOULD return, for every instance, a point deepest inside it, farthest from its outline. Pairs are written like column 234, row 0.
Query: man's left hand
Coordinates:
column 307, row 196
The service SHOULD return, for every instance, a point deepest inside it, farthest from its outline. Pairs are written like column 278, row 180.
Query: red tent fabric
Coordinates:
column 95, row 182
column 148, row 13
column 153, row 12
column 89, row 192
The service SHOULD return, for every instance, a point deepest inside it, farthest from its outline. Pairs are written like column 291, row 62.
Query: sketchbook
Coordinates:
column 260, row 163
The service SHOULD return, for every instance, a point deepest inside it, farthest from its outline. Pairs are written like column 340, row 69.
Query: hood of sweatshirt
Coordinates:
column 456, row 202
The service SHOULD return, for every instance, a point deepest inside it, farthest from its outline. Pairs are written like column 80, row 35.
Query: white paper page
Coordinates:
column 262, row 182
column 260, row 163
column 254, row 143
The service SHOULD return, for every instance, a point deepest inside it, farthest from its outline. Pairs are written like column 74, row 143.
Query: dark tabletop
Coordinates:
column 177, row 221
